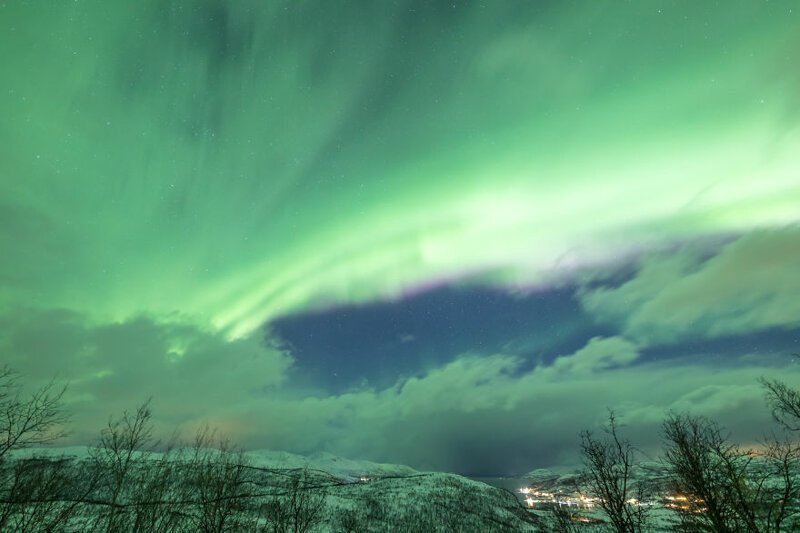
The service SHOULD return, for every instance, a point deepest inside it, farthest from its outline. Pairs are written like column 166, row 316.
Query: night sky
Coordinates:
column 445, row 234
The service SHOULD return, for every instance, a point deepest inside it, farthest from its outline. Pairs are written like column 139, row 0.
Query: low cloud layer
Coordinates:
column 190, row 373
column 480, row 414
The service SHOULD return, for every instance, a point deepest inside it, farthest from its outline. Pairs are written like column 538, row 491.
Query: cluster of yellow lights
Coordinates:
column 672, row 501
column 684, row 503
column 578, row 500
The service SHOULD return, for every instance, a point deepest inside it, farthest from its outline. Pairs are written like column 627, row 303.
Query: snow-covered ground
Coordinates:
column 353, row 495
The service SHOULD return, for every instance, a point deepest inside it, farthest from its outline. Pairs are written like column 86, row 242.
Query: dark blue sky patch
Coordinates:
column 774, row 344
column 377, row 343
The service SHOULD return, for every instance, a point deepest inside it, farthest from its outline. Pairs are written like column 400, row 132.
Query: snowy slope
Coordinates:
column 356, row 495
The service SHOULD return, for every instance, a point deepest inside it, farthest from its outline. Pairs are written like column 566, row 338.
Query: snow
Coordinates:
column 375, row 496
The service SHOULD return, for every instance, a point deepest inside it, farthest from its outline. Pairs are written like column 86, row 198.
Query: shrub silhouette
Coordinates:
column 723, row 487
column 609, row 465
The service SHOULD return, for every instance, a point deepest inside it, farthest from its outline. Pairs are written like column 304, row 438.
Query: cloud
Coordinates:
column 190, row 372
column 475, row 414
column 750, row 285
column 614, row 304
column 599, row 354
column 481, row 415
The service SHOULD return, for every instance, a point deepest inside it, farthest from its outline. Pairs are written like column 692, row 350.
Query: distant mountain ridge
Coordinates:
column 347, row 469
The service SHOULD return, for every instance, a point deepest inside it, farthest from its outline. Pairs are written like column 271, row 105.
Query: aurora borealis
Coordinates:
column 446, row 234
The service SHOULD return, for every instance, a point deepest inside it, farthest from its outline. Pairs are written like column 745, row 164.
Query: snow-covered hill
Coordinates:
column 339, row 494
column 349, row 469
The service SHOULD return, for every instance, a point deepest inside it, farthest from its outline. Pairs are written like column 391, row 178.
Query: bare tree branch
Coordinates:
column 608, row 465
column 784, row 402
column 29, row 421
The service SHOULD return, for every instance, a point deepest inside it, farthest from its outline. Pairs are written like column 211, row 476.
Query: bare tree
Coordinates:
column 712, row 474
column 122, row 444
column 219, row 479
column 784, row 402
column 779, row 486
column 299, row 510
column 43, row 494
column 29, row 420
column 349, row 521
column 782, row 455
column 561, row 520
column 608, row 466
column 155, row 496
column 28, row 500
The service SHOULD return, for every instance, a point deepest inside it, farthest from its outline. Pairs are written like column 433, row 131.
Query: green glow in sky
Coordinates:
column 238, row 165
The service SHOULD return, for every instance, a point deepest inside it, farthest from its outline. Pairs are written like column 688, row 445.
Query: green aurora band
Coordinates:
column 238, row 165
